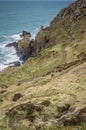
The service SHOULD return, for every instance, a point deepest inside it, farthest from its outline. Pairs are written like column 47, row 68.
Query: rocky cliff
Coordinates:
column 63, row 27
column 64, row 23
column 48, row 92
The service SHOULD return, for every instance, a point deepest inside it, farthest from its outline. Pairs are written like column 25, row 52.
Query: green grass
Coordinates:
column 45, row 61
column 48, row 87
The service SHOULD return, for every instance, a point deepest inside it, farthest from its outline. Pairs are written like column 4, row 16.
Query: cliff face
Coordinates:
column 68, row 27
column 71, row 15
column 74, row 10
column 49, row 90
column 25, row 47
column 65, row 22
column 62, row 28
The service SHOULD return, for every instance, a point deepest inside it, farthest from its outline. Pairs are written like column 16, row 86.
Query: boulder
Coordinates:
column 24, row 33
column 68, row 116
column 13, row 44
column 15, row 63
column 26, row 48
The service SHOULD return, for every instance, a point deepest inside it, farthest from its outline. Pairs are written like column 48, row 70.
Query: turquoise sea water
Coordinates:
column 25, row 15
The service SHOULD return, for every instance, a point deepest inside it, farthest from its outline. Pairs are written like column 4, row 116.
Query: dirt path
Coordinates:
column 63, row 66
column 58, row 68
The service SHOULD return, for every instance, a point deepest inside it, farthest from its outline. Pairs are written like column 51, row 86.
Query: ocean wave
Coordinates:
column 2, row 67
column 8, row 54
column 15, row 37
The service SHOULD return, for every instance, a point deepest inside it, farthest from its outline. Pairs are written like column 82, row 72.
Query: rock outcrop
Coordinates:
column 29, row 47
column 26, row 111
column 25, row 47
column 25, row 33
column 67, row 19
column 14, row 44
column 69, row 116
column 72, row 13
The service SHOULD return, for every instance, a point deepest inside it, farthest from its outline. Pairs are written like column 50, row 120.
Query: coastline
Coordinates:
column 48, row 92
column 33, row 24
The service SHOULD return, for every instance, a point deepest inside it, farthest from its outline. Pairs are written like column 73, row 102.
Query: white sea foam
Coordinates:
column 2, row 67
column 15, row 37
column 8, row 54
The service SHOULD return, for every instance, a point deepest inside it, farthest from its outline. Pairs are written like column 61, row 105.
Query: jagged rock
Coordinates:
column 73, row 9
column 14, row 44
column 72, row 118
column 41, row 40
column 17, row 97
column 73, row 12
column 25, row 33
column 26, row 47
column 15, row 63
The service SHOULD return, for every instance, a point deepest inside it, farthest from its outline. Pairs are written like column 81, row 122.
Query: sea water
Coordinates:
column 16, row 16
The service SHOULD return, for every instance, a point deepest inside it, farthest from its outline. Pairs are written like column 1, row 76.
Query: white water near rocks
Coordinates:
column 8, row 54
column 18, row 16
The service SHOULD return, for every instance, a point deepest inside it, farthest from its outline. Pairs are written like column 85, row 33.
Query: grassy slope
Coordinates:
column 46, row 60
column 64, row 87
column 52, row 54
column 67, row 86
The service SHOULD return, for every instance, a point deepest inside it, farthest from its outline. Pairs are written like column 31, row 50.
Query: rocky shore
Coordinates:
column 28, row 47
column 25, row 48
column 48, row 92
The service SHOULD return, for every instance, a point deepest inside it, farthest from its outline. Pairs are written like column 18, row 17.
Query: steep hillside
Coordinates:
column 48, row 92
